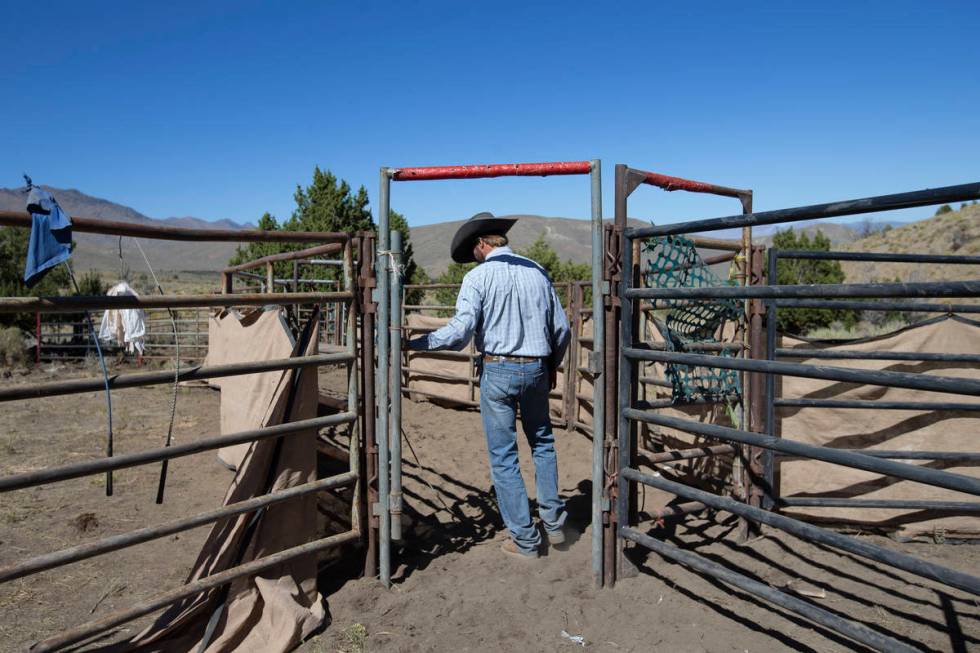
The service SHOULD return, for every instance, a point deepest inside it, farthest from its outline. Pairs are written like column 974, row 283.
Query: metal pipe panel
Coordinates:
column 139, row 379
column 847, row 458
column 85, row 631
column 824, row 291
column 74, row 304
column 926, row 197
column 835, row 623
column 75, row 470
column 812, row 533
column 952, row 385
column 22, row 219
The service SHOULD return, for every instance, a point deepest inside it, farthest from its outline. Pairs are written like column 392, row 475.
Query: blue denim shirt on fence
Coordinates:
column 510, row 305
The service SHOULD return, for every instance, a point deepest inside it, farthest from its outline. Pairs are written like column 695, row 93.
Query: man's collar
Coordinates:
column 504, row 249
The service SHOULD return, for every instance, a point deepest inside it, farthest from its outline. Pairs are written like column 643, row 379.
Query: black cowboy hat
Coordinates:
column 481, row 224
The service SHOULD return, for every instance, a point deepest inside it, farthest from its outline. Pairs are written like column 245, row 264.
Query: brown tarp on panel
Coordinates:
column 277, row 609
column 883, row 429
column 236, row 338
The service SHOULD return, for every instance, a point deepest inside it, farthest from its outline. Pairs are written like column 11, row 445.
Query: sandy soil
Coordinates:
column 454, row 589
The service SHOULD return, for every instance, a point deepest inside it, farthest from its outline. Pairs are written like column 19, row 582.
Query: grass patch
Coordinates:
column 355, row 636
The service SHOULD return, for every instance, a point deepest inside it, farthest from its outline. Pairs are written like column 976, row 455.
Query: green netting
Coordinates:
column 675, row 263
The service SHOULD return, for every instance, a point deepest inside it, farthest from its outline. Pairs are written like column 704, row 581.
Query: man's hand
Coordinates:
column 552, row 377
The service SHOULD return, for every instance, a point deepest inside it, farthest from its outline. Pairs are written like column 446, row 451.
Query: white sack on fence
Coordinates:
column 125, row 326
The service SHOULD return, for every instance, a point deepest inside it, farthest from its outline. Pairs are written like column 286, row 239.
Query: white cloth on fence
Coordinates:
column 126, row 326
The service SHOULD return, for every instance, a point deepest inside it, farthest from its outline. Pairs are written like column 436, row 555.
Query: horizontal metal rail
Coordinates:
column 880, row 257
column 74, row 304
column 676, row 510
column 116, row 228
column 86, row 468
column 876, row 404
column 952, row 385
column 669, row 183
column 908, row 307
column 856, row 290
column 957, row 456
column 905, row 562
column 926, row 197
column 892, row 504
column 115, row 542
column 329, row 248
column 85, row 631
column 844, row 457
column 948, row 456
column 878, row 355
column 835, row 623
column 139, row 379
column 656, row 457
column 492, row 170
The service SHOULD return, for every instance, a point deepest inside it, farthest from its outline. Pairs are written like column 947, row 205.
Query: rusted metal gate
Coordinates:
column 351, row 295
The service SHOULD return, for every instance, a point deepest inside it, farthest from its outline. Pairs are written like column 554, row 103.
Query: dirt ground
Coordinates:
column 453, row 590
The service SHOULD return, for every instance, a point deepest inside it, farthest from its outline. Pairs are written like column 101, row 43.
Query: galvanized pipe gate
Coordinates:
column 389, row 505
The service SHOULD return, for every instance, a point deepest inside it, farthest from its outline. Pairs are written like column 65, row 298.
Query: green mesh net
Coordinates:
column 675, row 263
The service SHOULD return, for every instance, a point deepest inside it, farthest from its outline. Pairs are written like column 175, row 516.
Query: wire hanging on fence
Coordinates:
column 675, row 263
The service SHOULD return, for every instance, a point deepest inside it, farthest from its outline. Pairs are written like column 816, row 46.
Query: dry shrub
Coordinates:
column 12, row 350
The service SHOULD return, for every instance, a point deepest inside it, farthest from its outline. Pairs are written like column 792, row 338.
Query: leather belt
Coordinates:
column 503, row 358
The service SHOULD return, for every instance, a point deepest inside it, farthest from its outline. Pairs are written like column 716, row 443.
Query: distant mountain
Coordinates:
column 103, row 252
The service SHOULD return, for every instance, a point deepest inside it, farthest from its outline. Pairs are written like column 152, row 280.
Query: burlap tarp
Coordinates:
column 883, row 429
column 236, row 338
column 277, row 609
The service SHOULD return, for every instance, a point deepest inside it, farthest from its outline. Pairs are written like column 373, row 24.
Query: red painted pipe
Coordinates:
column 493, row 170
column 669, row 183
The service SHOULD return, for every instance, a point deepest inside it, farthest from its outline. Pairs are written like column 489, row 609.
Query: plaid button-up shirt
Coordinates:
column 510, row 306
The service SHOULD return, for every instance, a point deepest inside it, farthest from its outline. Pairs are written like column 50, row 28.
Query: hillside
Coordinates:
column 957, row 232
column 99, row 252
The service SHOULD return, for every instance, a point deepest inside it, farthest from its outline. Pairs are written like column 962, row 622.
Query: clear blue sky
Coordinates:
column 218, row 110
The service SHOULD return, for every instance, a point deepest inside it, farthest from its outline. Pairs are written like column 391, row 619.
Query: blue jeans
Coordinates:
column 503, row 387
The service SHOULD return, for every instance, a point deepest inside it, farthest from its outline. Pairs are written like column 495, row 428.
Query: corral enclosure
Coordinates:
column 657, row 451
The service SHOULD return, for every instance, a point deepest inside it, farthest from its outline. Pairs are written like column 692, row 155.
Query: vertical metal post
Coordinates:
column 356, row 429
column 623, row 395
column 595, row 367
column 768, row 459
column 575, row 345
column 368, row 282
column 270, row 277
column 611, row 366
column 381, row 381
column 740, row 462
column 37, row 334
column 571, row 354
column 395, row 392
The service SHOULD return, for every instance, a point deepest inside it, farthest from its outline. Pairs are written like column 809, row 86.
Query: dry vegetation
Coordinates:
column 957, row 232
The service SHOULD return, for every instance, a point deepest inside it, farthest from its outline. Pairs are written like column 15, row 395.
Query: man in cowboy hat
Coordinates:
column 510, row 306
